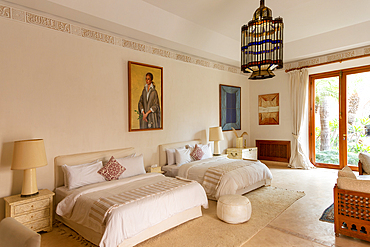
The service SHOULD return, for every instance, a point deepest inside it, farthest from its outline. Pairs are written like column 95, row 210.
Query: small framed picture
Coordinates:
column 268, row 109
column 145, row 97
column 230, row 107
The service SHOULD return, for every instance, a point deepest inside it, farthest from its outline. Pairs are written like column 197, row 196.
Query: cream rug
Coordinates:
column 208, row 230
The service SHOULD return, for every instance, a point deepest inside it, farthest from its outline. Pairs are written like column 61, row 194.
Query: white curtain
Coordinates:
column 298, row 85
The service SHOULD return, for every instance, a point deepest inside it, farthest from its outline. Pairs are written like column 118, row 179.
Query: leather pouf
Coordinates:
column 234, row 209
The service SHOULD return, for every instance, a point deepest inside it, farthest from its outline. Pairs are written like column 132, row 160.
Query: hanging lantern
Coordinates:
column 262, row 44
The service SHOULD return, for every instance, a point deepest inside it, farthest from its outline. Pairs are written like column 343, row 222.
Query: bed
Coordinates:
column 133, row 222
column 245, row 176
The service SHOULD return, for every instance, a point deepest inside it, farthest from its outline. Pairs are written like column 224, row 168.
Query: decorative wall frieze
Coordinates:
column 4, row 11
column 47, row 22
column 100, row 36
column 330, row 58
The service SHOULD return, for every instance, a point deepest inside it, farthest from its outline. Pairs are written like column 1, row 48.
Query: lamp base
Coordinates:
column 216, row 154
column 29, row 186
column 30, row 195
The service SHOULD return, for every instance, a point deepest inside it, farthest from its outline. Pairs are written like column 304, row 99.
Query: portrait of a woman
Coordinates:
column 149, row 105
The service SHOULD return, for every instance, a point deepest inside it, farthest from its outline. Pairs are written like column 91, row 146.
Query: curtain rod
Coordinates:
column 320, row 64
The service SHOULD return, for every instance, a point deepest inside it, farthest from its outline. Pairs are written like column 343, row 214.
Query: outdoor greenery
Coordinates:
column 327, row 134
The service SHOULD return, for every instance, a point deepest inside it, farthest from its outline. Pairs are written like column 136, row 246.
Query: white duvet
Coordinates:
column 240, row 178
column 128, row 220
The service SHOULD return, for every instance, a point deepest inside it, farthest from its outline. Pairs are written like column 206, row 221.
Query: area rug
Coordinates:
column 328, row 215
column 267, row 203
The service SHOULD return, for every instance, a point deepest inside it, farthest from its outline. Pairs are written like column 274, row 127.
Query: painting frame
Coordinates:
column 268, row 109
column 137, row 81
column 230, row 107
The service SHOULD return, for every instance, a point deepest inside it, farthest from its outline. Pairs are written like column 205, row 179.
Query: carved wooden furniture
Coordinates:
column 35, row 212
column 273, row 150
column 360, row 169
column 352, row 213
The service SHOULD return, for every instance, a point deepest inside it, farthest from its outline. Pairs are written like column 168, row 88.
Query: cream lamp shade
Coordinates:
column 27, row 156
column 216, row 135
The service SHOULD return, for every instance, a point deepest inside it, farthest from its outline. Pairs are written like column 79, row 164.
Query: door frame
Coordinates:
column 342, row 74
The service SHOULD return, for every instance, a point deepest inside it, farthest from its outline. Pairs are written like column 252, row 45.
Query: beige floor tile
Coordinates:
column 301, row 220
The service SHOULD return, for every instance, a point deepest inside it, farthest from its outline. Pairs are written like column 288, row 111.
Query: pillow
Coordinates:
column 365, row 160
column 171, row 156
column 112, row 170
column 183, row 156
column 121, row 160
column 197, row 153
column 134, row 166
column 83, row 174
column 346, row 172
column 206, row 150
column 65, row 173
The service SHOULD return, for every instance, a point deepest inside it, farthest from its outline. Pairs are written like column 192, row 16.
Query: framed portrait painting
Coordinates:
column 268, row 109
column 145, row 97
column 230, row 105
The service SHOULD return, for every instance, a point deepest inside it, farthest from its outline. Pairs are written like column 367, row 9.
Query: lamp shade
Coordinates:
column 215, row 134
column 29, row 154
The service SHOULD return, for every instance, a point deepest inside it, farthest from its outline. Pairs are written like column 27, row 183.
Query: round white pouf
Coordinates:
column 234, row 209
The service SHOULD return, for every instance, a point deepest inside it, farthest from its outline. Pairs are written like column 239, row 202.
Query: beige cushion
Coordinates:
column 14, row 234
column 234, row 209
column 365, row 160
column 346, row 172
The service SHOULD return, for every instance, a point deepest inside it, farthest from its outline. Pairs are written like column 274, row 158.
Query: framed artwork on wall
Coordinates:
column 230, row 105
column 145, row 97
column 268, row 109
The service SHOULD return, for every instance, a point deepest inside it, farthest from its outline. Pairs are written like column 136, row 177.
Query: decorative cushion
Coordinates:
column 365, row 160
column 234, row 209
column 197, row 153
column 112, row 170
column 346, row 172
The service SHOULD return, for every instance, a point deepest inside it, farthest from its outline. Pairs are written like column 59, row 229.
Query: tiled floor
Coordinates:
column 299, row 225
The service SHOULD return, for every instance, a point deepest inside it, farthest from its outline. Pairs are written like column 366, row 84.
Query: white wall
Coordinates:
column 72, row 92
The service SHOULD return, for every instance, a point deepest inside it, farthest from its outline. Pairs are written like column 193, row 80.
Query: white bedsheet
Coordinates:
column 127, row 221
column 240, row 178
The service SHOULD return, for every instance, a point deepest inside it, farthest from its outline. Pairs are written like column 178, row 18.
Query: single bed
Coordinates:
column 123, row 225
column 238, row 176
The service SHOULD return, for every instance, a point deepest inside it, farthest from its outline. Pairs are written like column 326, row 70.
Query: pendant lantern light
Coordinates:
column 262, row 44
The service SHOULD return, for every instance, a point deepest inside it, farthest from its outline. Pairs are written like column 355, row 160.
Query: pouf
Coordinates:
column 234, row 209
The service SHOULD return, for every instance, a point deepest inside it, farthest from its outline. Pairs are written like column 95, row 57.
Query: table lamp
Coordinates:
column 215, row 134
column 27, row 156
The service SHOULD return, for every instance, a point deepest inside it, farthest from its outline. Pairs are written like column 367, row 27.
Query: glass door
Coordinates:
column 339, row 117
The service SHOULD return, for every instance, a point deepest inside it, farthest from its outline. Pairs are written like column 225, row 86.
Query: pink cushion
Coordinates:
column 197, row 153
column 112, row 170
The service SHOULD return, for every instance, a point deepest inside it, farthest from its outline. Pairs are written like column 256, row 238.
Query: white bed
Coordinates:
column 252, row 175
column 158, row 212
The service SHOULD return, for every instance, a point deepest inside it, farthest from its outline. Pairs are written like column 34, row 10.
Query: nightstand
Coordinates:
column 242, row 153
column 35, row 212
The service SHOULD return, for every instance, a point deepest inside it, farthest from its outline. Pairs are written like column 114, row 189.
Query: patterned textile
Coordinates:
column 213, row 175
column 197, row 153
column 112, row 170
column 103, row 205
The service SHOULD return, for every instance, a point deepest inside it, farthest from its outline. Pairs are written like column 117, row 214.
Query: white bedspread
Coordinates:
column 126, row 221
column 237, row 179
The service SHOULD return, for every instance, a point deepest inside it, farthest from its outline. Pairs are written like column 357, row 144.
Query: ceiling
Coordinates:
column 211, row 28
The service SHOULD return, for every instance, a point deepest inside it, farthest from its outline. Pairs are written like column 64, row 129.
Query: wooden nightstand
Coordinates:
column 242, row 153
column 35, row 212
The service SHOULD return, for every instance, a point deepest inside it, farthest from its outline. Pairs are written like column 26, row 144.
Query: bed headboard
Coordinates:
column 81, row 158
column 163, row 147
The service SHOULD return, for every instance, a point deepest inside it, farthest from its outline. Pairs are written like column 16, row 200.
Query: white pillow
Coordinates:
column 134, row 166
column 121, row 160
column 84, row 174
column 66, row 175
column 365, row 160
column 206, row 150
column 346, row 172
column 182, row 156
column 171, row 156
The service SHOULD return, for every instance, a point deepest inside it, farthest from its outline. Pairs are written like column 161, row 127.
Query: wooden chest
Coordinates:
column 35, row 212
column 242, row 153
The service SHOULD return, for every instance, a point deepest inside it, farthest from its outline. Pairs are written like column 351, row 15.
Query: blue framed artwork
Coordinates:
column 230, row 107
